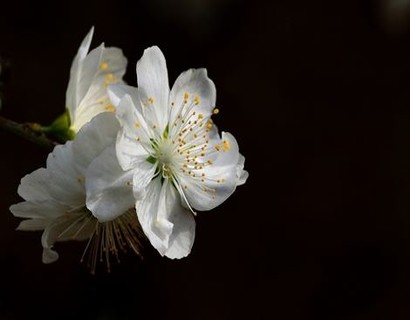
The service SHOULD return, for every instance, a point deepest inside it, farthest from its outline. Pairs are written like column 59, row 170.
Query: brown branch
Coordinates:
column 28, row 131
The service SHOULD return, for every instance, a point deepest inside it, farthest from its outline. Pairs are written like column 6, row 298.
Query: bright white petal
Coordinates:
column 152, row 76
column 182, row 237
column 152, row 216
column 117, row 91
column 241, row 174
column 72, row 98
column 130, row 116
column 192, row 92
column 144, row 172
column 67, row 180
column 216, row 182
column 93, row 138
column 109, row 188
column 169, row 227
column 102, row 67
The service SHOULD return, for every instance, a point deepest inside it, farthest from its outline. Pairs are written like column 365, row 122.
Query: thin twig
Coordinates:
column 27, row 131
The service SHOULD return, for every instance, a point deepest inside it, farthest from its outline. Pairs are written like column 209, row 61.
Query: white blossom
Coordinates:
column 55, row 197
column 178, row 160
column 90, row 74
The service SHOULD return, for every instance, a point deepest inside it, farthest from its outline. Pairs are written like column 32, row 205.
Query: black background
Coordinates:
column 317, row 95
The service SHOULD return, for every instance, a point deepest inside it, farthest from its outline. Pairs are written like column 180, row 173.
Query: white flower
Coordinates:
column 90, row 75
column 55, row 197
column 170, row 144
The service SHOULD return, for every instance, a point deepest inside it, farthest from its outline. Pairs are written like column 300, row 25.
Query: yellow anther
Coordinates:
column 186, row 97
column 200, row 116
column 110, row 108
column 196, row 100
column 151, row 100
column 216, row 111
column 210, row 162
column 104, row 66
column 137, row 125
column 226, row 145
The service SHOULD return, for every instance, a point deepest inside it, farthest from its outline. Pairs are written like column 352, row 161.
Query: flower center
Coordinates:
column 164, row 157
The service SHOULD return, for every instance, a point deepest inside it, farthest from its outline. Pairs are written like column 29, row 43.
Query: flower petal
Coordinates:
column 216, row 182
column 117, row 91
column 182, row 237
column 33, row 224
column 72, row 95
column 192, row 92
column 35, row 186
column 103, row 66
column 44, row 209
column 90, row 74
column 68, row 227
column 93, row 138
column 169, row 227
column 241, row 174
column 151, row 211
column 152, row 76
column 67, row 179
column 144, row 172
column 109, row 188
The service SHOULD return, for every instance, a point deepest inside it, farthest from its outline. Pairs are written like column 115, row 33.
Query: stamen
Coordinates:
column 110, row 238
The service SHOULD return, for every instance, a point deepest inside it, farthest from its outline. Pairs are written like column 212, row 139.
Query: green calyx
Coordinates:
column 59, row 128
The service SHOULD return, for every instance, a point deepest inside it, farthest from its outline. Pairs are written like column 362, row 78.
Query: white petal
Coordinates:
column 183, row 232
column 151, row 215
column 72, row 99
column 93, row 138
column 33, row 224
column 90, row 74
column 241, row 174
column 117, row 91
column 44, row 209
column 35, row 186
column 67, row 227
column 94, row 83
column 130, row 153
column 169, row 227
column 220, row 179
column 143, row 173
column 130, row 116
column 152, row 76
column 66, row 178
column 109, row 188
column 192, row 92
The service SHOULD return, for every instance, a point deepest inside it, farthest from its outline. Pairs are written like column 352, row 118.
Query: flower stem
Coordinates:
column 29, row 131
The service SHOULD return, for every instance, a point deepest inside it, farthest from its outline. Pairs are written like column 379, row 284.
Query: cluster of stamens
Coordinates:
column 105, row 239
column 185, row 144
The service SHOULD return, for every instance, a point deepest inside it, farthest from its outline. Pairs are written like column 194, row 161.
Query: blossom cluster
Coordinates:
column 140, row 160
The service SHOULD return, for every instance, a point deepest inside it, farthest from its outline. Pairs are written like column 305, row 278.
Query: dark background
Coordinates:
column 317, row 95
